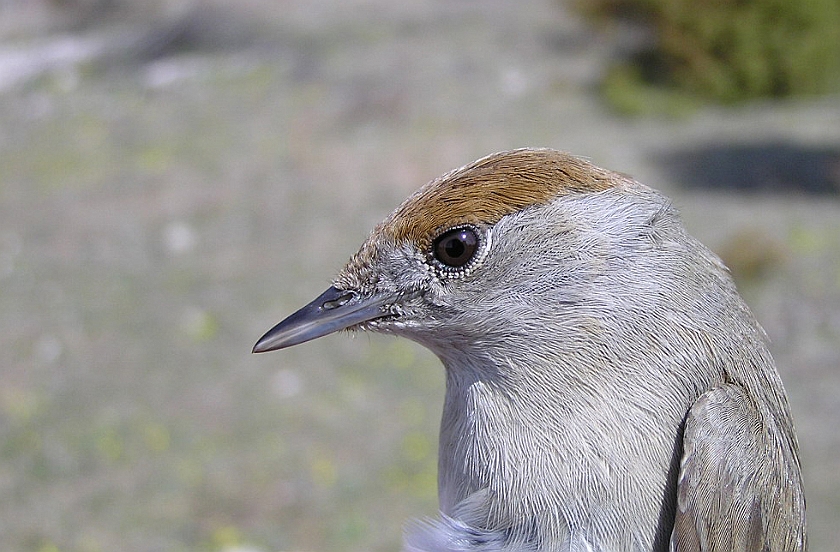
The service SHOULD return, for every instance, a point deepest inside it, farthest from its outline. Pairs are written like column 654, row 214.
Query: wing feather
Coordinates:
column 739, row 487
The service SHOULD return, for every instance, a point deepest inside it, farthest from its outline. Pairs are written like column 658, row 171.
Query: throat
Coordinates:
column 483, row 439
column 496, row 469
column 517, row 448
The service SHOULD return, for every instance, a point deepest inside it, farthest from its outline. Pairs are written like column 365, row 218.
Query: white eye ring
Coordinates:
column 457, row 251
column 456, row 248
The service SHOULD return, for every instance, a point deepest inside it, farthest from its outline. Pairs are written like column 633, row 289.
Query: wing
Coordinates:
column 739, row 487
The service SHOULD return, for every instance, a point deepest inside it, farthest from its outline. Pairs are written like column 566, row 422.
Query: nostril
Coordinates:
column 339, row 301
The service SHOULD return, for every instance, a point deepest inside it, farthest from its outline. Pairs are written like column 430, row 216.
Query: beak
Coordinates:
column 333, row 310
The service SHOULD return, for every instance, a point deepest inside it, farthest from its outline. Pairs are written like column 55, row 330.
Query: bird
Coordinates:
column 607, row 388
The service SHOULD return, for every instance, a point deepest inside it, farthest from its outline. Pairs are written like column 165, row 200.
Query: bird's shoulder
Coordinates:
column 739, row 486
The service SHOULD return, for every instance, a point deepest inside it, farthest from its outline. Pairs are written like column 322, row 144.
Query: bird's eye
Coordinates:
column 456, row 247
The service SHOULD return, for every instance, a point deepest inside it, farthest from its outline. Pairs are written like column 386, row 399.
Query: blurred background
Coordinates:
column 177, row 176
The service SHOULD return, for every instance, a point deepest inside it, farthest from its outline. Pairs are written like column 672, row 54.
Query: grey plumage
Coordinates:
column 606, row 386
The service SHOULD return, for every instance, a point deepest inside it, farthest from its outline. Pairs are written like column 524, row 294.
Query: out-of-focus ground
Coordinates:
column 175, row 179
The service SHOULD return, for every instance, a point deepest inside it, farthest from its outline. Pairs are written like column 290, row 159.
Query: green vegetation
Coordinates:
column 725, row 51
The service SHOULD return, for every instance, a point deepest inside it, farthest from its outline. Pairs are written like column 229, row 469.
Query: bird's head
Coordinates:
column 485, row 253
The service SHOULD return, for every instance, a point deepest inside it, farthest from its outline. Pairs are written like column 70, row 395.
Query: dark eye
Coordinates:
column 456, row 247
